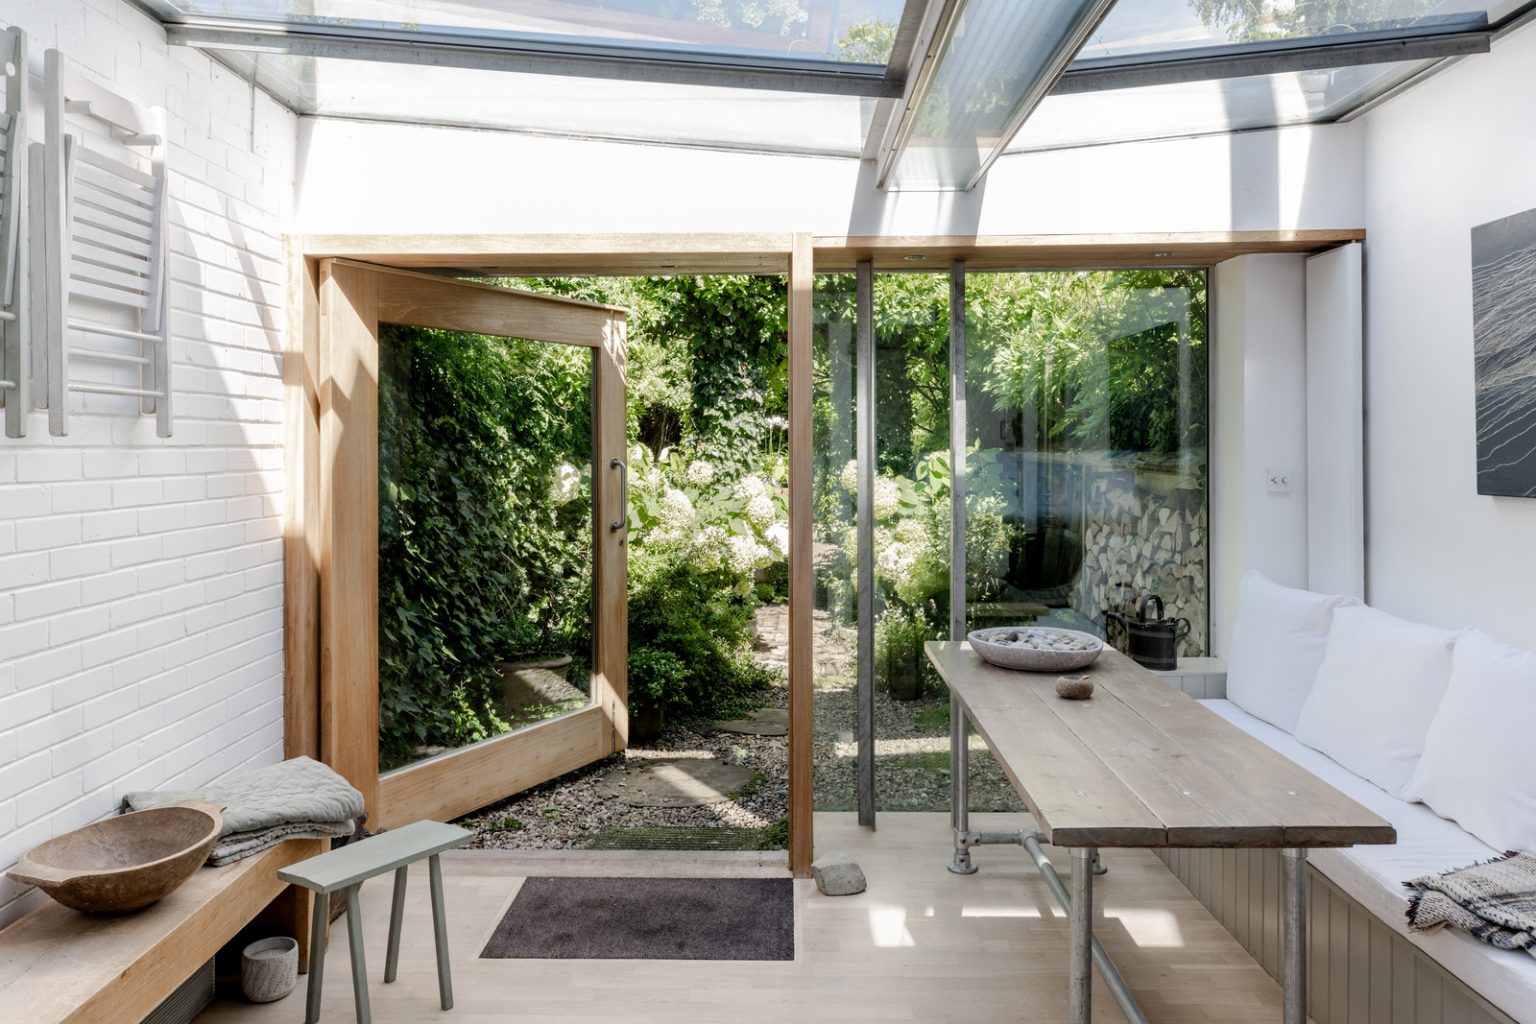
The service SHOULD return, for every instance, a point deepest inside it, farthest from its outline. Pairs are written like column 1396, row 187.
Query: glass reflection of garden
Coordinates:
column 1086, row 469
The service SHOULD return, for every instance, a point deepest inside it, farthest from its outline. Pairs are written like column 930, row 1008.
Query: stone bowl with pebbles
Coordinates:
column 1036, row 648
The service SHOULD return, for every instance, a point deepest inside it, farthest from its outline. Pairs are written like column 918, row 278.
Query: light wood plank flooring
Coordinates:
column 919, row 945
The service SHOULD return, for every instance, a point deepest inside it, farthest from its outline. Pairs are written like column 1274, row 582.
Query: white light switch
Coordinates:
column 1279, row 481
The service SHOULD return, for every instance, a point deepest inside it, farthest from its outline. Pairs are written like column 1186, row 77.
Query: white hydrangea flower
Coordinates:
column 749, row 487
column 567, row 485
column 677, row 513
column 777, row 536
column 700, row 472
column 760, row 510
column 709, row 548
column 849, row 477
column 742, row 554
column 887, row 498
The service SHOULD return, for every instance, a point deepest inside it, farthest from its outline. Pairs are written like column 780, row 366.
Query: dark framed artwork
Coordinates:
column 1504, row 354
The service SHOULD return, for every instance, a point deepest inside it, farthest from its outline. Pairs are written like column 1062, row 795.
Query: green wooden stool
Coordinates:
column 347, row 868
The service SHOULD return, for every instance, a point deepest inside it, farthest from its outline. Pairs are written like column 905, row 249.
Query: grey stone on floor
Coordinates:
column 838, row 874
column 675, row 782
column 762, row 722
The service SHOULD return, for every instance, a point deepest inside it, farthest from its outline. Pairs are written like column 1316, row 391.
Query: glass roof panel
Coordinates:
column 998, row 57
column 693, row 115
column 1152, row 26
column 1201, row 108
column 769, row 31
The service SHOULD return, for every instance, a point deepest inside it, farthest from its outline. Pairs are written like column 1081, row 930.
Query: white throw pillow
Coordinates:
column 1277, row 646
column 1484, row 722
column 1380, row 684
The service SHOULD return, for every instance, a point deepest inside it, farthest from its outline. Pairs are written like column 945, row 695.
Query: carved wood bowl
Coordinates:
column 1000, row 646
column 123, row 863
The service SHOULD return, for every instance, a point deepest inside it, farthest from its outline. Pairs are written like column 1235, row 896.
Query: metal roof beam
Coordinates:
column 630, row 64
column 1095, row 74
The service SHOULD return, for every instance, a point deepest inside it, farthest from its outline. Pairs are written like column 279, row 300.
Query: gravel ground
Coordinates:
column 911, row 774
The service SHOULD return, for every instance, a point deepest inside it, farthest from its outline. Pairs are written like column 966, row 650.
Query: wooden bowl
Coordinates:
column 123, row 863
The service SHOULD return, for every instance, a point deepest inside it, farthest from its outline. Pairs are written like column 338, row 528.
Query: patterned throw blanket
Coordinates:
column 1495, row 901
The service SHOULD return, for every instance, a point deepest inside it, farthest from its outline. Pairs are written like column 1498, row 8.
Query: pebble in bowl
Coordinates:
column 1036, row 648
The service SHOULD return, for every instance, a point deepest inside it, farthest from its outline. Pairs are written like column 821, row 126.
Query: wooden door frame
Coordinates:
column 798, row 255
column 354, row 299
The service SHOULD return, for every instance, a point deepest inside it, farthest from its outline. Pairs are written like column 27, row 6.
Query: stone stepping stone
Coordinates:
column 675, row 782
column 762, row 722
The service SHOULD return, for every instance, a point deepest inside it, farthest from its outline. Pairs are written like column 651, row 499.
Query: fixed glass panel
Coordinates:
column 1200, row 108
column 560, row 105
column 773, row 30
column 999, row 58
column 1087, row 473
column 1151, row 26
column 486, row 535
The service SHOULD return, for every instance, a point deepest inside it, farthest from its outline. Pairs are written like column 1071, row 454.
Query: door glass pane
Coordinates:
column 1086, row 423
column 485, row 537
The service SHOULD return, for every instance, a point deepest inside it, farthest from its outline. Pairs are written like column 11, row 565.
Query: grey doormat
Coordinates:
column 648, row 919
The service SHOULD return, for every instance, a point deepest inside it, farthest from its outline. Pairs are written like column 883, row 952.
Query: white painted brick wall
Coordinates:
column 140, row 578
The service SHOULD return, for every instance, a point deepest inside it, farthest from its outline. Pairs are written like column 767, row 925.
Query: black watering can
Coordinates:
column 1151, row 642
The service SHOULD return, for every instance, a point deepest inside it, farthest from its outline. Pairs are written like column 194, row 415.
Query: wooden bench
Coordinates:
column 344, row 870
column 58, row 965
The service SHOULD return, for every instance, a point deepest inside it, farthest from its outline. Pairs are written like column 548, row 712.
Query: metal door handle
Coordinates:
column 618, row 524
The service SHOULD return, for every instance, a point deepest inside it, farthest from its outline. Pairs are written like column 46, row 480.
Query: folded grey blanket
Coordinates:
column 1494, row 901
column 296, row 799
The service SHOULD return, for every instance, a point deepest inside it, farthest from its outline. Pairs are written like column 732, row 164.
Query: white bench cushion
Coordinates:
column 1374, row 875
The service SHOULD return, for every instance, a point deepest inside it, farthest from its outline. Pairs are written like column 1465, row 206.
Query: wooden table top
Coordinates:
column 1142, row 764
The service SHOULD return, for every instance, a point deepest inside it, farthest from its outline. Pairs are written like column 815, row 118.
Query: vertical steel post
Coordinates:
column 959, row 787
column 957, row 434
column 1293, row 963
column 1080, row 944
column 864, row 528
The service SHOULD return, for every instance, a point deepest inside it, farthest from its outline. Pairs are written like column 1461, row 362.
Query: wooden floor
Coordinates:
column 919, row 945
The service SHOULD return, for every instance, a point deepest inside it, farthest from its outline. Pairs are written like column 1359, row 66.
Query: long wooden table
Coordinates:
column 1140, row 764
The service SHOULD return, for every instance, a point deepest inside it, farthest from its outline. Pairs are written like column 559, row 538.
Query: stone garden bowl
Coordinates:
column 1036, row 648
column 123, row 863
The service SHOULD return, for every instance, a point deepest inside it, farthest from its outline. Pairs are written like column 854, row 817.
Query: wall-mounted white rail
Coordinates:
column 104, row 246
column 15, row 374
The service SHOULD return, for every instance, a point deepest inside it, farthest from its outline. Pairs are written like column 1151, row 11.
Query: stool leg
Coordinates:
column 359, row 968
column 320, row 924
column 440, row 933
column 396, row 912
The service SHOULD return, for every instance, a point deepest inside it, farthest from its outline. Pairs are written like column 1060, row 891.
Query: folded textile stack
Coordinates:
column 296, row 799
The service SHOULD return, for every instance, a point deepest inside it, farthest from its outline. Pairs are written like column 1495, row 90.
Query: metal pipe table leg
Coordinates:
column 440, row 933
column 396, row 913
column 1293, row 967
column 959, row 788
column 359, row 965
column 320, row 922
column 1080, row 947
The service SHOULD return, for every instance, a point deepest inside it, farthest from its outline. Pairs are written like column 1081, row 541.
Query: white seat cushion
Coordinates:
column 1379, row 686
column 1490, row 706
column 1374, row 875
column 1278, row 640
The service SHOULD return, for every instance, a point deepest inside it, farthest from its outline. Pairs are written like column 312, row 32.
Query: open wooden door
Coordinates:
column 355, row 301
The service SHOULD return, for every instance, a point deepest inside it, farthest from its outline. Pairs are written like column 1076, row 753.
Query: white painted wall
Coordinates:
column 1335, row 471
column 1457, row 151
column 141, row 579
column 370, row 177
column 1258, row 425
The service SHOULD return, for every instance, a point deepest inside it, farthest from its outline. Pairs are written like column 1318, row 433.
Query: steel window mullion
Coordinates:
column 864, row 530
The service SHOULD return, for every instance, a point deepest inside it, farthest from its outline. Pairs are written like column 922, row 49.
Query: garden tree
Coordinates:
column 868, row 42
column 1089, row 360
column 1252, row 20
column 735, row 331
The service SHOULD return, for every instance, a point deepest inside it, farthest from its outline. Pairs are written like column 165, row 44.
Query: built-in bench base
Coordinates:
column 1361, row 971
column 63, row 966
